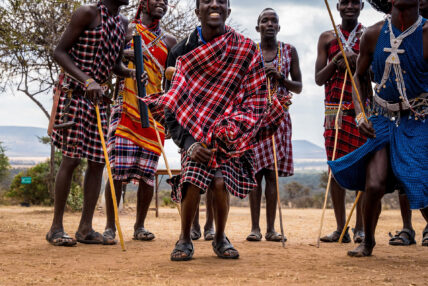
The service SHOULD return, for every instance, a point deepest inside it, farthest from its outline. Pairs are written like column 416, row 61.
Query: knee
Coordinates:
column 375, row 190
column 218, row 185
column 70, row 163
column 95, row 166
column 270, row 177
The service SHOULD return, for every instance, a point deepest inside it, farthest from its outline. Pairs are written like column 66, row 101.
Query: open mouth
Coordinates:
column 215, row 15
column 160, row 9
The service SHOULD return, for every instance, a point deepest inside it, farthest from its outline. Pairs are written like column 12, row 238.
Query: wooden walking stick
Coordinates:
column 350, row 216
column 178, row 205
column 336, row 135
column 276, row 178
column 355, row 89
column 110, row 177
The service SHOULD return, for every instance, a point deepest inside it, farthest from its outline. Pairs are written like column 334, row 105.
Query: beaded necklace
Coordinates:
column 279, row 57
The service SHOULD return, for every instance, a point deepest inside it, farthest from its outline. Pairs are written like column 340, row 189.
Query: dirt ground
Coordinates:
column 26, row 258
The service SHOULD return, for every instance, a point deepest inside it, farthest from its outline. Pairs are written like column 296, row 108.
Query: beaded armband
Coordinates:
column 192, row 148
column 88, row 82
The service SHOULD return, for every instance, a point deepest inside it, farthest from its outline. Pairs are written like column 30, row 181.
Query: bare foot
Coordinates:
column 362, row 250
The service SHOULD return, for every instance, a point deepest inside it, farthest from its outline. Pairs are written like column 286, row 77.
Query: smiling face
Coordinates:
column 213, row 13
column 350, row 9
column 268, row 24
column 156, row 8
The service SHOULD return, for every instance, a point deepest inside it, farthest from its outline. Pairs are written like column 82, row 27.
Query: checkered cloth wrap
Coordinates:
column 83, row 139
column 238, row 175
column 263, row 151
column 129, row 162
column 219, row 95
column 349, row 137
column 95, row 53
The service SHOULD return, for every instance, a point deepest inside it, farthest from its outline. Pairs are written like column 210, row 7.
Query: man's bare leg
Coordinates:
column 195, row 232
column 144, row 198
column 271, row 203
column 425, row 231
column 62, row 190
column 209, row 231
column 338, row 199
column 376, row 181
column 110, row 229
column 255, row 205
column 91, row 192
column 221, row 212
column 189, row 205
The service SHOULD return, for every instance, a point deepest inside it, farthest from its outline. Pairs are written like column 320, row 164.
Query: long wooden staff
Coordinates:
column 178, row 205
column 350, row 216
column 276, row 178
column 336, row 127
column 110, row 177
column 348, row 69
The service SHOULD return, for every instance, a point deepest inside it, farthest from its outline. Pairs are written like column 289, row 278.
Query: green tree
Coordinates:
column 4, row 163
column 37, row 193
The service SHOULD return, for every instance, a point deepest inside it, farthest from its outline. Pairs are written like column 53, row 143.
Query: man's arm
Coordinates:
column 83, row 18
column 362, row 78
column 295, row 84
column 119, row 68
column 324, row 70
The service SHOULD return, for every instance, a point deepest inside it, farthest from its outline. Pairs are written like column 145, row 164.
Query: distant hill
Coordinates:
column 303, row 149
column 23, row 142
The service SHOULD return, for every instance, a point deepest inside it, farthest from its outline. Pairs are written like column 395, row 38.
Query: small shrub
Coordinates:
column 75, row 198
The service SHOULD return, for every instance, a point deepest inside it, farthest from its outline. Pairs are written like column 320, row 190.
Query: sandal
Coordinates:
column 358, row 235
column 60, row 238
column 223, row 247
column 110, row 235
column 335, row 236
column 186, row 248
column 274, row 236
column 425, row 237
column 209, row 234
column 254, row 236
column 407, row 239
column 92, row 237
column 143, row 234
column 195, row 234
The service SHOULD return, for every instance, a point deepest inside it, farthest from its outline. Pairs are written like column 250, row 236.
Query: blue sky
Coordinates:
column 301, row 24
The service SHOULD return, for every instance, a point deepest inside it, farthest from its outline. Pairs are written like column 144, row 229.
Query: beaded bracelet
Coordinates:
column 192, row 148
column 359, row 118
column 88, row 82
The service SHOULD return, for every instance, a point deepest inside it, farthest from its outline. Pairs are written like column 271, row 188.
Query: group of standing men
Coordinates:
column 226, row 103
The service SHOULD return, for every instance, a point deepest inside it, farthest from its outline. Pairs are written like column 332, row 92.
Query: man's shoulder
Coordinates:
column 371, row 34
column 89, row 11
column 185, row 45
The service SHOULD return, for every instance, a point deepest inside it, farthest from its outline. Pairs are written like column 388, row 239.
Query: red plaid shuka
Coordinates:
column 219, row 95
column 263, row 151
column 95, row 53
column 349, row 138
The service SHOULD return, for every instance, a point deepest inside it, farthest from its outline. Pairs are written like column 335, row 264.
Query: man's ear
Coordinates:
column 258, row 29
column 279, row 28
column 228, row 12
column 337, row 6
column 197, row 13
column 362, row 5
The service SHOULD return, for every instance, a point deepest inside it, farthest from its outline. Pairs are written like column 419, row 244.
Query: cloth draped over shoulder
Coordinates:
column 129, row 126
column 219, row 94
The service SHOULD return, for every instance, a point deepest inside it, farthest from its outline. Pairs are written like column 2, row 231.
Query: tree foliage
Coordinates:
column 4, row 163
column 37, row 193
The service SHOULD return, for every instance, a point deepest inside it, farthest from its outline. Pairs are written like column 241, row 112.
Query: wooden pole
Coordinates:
column 336, row 126
column 350, row 216
column 277, row 179
column 110, row 177
column 178, row 205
